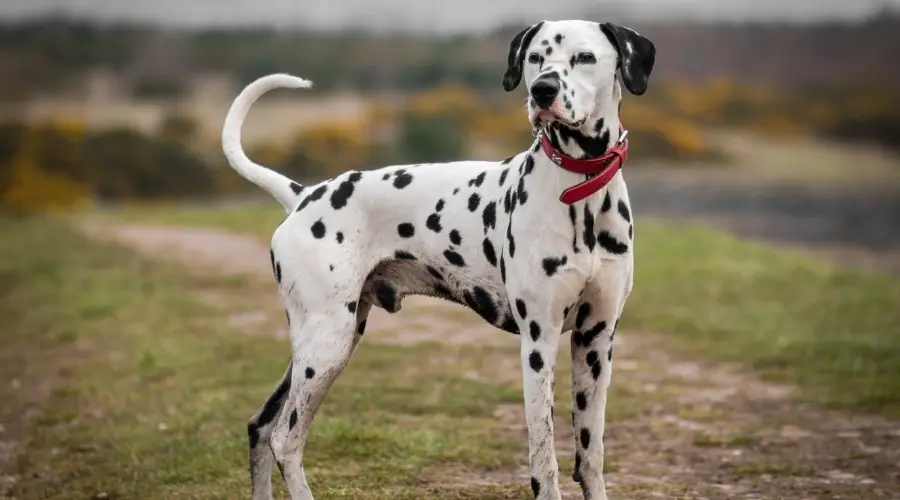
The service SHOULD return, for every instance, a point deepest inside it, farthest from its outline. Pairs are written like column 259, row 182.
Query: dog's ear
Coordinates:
column 516, row 56
column 636, row 56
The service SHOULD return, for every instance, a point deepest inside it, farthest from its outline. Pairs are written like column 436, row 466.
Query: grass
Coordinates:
column 784, row 315
column 141, row 392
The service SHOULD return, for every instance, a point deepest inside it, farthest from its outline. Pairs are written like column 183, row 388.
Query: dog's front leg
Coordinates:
column 540, row 341
column 595, row 325
column 540, row 323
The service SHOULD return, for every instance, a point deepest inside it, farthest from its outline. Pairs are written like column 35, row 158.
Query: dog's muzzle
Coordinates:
column 544, row 91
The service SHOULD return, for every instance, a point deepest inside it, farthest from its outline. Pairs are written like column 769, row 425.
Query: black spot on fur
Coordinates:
column 624, row 211
column 488, row 248
column 489, row 216
column 253, row 434
column 552, row 264
column 318, row 229
column 351, row 307
column 511, row 242
column 481, row 302
column 520, row 307
column 386, row 296
column 573, row 216
column 315, row 195
column 520, row 191
column 535, row 487
column 278, row 272
column 434, row 272
column 402, row 179
column 480, row 179
column 406, row 230
column 310, row 373
column 577, row 337
column 385, row 177
column 340, row 237
column 293, row 420
column 590, row 241
column 403, row 255
column 502, row 269
column 536, row 361
column 595, row 370
column 474, row 201
column 548, row 51
column 507, row 202
column 340, row 195
column 593, row 145
column 576, row 476
column 535, row 330
column 454, row 258
column 455, row 237
column 434, row 222
column 607, row 203
column 504, row 173
column 296, row 188
column 592, row 358
column 273, row 404
column 589, row 336
column 611, row 244
column 510, row 325
column 558, row 38
column 581, row 401
column 455, row 190
column 585, row 438
column 565, row 312
column 506, row 162
column 609, row 354
column 439, row 205
column 528, row 165
column 331, row 267
column 631, row 232
column 584, row 310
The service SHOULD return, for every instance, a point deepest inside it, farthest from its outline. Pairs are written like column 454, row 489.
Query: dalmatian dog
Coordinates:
column 497, row 237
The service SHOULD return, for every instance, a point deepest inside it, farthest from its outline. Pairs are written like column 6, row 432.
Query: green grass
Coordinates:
column 784, row 315
column 144, row 393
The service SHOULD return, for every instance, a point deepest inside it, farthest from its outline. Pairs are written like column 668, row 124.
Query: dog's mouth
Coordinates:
column 540, row 118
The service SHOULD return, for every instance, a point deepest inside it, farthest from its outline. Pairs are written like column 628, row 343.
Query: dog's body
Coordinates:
column 490, row 235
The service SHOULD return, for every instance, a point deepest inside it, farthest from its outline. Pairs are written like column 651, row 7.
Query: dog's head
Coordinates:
column 570, row 67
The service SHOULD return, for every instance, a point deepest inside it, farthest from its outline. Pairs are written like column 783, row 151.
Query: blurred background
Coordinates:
column 765, row 160
column 110, row 102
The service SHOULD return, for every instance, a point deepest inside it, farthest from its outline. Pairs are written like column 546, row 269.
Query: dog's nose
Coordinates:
column 544, row 91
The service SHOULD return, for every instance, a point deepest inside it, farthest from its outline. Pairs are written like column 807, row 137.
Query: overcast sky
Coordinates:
column 431, row 15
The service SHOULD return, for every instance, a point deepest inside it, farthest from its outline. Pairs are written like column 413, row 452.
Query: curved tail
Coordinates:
column 279, row 186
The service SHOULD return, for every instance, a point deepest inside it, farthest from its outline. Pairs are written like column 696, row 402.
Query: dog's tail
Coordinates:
column 279, row 186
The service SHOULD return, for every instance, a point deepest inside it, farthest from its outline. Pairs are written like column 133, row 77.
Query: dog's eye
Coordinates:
column 534, row 58
column 585, row 58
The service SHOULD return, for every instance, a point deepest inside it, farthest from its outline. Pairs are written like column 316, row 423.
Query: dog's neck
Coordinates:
column 595, row 136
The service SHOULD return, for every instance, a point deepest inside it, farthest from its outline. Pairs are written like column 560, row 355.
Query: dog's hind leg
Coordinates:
column 323, row 343
column 259, row 428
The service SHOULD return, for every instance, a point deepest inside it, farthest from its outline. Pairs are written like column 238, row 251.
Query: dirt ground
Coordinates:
column 712, row 431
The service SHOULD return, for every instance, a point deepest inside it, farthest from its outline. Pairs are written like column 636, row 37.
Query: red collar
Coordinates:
column 600, row 170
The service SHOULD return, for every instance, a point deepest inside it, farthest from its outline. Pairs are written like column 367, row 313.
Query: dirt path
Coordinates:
column 681, row 428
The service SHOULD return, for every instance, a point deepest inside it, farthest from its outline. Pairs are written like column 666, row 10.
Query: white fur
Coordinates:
column 322, row 273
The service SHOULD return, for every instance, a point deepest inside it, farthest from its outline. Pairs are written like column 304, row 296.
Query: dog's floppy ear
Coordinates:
column 636, row 56
column 516, row 56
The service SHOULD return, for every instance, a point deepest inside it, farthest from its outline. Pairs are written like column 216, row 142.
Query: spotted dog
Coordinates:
column 494, row 236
